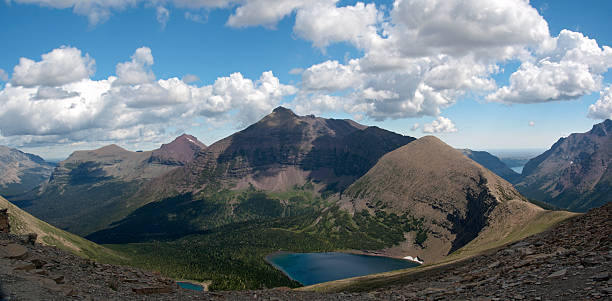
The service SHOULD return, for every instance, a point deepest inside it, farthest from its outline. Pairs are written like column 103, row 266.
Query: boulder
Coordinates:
column 14, row 251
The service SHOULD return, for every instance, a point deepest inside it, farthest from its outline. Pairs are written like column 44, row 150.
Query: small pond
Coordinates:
column 190, row 286
column 313, row 268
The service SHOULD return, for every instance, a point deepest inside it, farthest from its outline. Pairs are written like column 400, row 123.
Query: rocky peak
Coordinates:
column 178, row 152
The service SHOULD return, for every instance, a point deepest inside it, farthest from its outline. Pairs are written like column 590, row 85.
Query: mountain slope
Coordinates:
column 23, row 223
column 458, row 199
column 283, row 150
column 493, row 164
column 89, row 183
column 21, row 172
column 575, row 173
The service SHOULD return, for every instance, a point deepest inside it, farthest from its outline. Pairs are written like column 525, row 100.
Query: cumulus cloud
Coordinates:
column 138, row 70
column 602, row 108
column 571, row 66
column 323, row 23
column 260, row 12
column 61, row 66
column 138, row 108
column 163, row 15
column 440, row 125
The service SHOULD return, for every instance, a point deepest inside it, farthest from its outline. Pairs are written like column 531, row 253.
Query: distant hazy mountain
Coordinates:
column 90, row 189
column 492, row 163
column 21, row 172
column 575, row 173
column 458, row 199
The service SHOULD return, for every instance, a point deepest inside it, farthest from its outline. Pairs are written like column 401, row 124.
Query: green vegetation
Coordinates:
column 232, row 255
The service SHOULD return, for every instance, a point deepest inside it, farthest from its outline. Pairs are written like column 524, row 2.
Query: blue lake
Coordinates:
column 190, row 286
column 313, row 268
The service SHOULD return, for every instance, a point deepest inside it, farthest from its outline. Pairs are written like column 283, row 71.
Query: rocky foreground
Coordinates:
column 572, row 261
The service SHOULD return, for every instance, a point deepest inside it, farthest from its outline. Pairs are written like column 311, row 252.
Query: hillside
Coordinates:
column 21, row 172
column 575, row 173
column 493, row 164
column 92, row 182
column 23, row 223
column 458, row 199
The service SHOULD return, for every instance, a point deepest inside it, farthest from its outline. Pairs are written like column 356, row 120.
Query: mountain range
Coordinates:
column 307, row 183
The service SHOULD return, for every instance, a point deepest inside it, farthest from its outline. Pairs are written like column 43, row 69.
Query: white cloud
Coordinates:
column 332, row 76
column 571, row 66
column 415, row 127
column 602, row 108
column 440, row 125
column 61, row 66
column 488, row 28
column 136, row 110
column 531, row 123
column 136, row 71
column 260, row 12
column 3, row 75
column 163, row 15
column 323, row 23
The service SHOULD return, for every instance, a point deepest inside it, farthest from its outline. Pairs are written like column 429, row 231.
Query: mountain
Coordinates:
column 23, row 223
column 283, row 150
column 179, row 152
column 21, row 172
column 458, row 200
column 92, row 182
column 575, row 173
column 493, row 164
column 232, row 180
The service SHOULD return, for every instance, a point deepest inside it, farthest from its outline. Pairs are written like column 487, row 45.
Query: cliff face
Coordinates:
column 574, row 173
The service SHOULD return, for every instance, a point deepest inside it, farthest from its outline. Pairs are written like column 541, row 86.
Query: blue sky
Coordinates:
column 96, row 106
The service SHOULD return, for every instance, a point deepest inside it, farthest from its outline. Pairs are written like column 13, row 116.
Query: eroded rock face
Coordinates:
column 21, row 172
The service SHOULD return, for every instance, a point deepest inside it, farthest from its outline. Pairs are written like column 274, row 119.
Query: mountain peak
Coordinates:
column 188, row 138
column 283, row 110
column 178, row 152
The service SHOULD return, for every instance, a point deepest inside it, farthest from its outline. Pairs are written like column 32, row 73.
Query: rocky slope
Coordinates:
column 571, row 261
column 21, row 172
column 493, row 164
column 458, row 199
column 102, row 181
column 283, row 150
column 575, row 173
column 22, row 223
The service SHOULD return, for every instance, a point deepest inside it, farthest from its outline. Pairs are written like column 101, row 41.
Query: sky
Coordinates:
column 479, row 74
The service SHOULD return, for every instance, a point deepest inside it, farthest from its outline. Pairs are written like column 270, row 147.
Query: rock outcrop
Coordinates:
column 21, row 172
